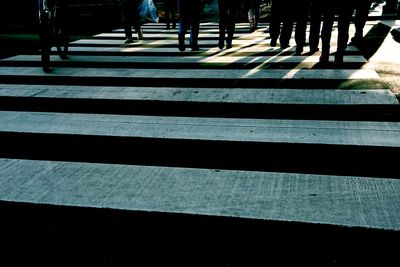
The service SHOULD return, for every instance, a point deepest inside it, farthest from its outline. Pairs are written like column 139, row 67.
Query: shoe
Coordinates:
column 284, row 46
column 140, row 35
column 181, row 43
column 252, row 27
column 338, row 59
column 313, row 50
column 356, row 40
column 194, row 47
column 221, row 42
column 273, row 42
column 229, row 44
column 128, row 41
column 324, row 58
column 168, row 27
column 299, row 51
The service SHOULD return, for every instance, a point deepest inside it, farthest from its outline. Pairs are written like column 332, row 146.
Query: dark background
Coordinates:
column 20, row 16
column 19, row 21
column 87, row 15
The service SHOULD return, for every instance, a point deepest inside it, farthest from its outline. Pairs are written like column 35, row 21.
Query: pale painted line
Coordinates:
column 175, row 31
column 391, row 23
column 190, row 59
column 199, row 74
column 215, row 24
column 169, row 35
column 207, row 95
column 317, row 199
column 355, row 133
column 253, row 49
column 215, row 36
column 205, row 24
column 238, row 25
column 241, row 30
column 258, row 41
column 134, row 49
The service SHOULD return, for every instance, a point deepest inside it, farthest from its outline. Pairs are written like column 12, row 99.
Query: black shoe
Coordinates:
column 313, row 50
column 252, row 27
column 195, row 47
column 324, row 58
column 356, row 40
column 273, row 42
column 229, row 42
column 221, row 42
column 338, row 59
column 181, row 44
column 299, row 51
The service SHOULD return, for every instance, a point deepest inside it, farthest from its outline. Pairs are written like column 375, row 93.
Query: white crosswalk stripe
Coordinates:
column 229, row 104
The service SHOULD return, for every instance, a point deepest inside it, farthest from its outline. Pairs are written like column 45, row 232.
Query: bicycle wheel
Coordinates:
column 45, row 39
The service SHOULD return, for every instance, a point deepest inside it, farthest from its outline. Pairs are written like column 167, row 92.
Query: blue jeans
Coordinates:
column 189, row 12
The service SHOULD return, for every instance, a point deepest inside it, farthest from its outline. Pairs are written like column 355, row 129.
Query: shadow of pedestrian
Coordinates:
column 396, row 34
column 373, row 40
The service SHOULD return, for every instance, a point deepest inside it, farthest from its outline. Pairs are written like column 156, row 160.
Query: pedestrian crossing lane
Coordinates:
column 156, row 62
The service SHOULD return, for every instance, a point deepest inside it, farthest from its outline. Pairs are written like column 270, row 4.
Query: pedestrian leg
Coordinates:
column 231, row 21
column 184, row 21
column 360, row 19
column 343, row 28
column 195, row 24
column 315, row 27
column 276, row 20
column 326, row 34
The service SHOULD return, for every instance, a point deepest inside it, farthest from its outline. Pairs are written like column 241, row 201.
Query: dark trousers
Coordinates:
column 254, row 13
column 362, row 10
column 189, row 12
column 343, row 27
column 315, row 25
column 302, row 8
column 344, row 18
column 282, row 22
column 170, row 7
column 227, row 17
column 130, row 17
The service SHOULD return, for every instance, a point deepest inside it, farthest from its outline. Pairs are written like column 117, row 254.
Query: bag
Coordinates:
column 211, row 11
column 148, row 9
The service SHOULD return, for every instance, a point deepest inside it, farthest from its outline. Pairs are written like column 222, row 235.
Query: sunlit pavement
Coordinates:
column 386, row 60
column 211, row 157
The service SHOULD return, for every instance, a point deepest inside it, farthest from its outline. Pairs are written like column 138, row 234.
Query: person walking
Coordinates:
column 189, row 18
column 315, row 25
column 361, row 15
column 282, row 21
column 130, row 17
column 302, row 10
column 253, row 14
column 344, row 9
column 170, row 7
column 227, row 19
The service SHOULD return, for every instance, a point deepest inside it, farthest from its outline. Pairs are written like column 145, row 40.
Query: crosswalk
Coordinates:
column 252, row 132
